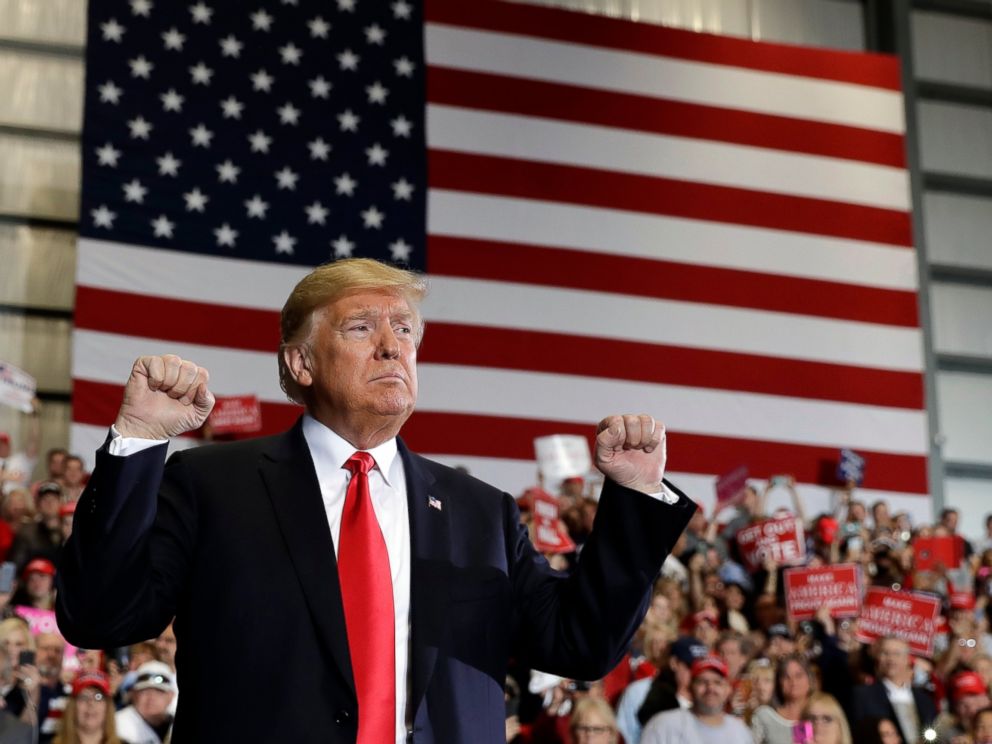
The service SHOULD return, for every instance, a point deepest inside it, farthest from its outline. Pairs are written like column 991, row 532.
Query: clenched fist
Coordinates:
column 630, row 450
column 165, row 396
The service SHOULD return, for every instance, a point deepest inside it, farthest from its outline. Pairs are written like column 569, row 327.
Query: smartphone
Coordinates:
column 26, row 658
column 780, row 480
column 802, row 732
column 7, row 572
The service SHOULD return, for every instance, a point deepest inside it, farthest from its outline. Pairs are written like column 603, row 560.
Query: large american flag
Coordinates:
column 615, row 217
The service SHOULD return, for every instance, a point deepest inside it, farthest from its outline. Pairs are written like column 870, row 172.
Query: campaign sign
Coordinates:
column 240, row 414
column 808, row 589
column 730, row 487
column 911, row 616
column 561, row 456
column 17, row 387
column 783, row 539
column 929, row 553
column 549, row 534
column 851, row 467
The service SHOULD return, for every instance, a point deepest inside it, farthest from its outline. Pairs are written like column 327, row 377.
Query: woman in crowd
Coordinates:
column 877, row 731
column 829, row 722
column 89, row 713
column 19, row 681
column 593, row 722
column 760, row 690
column 772, row 724
column 981, row 728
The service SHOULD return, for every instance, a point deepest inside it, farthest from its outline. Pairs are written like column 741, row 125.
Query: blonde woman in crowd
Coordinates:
column 89, row 713
column 829, row 722
column 593, row 722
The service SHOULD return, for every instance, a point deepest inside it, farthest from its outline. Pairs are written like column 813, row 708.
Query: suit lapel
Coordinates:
column 430, row 556
column 291, row 482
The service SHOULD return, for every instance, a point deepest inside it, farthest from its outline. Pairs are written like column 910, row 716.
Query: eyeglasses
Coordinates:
column 967, row 642
column 90, row 697
column 820, row 719
column 593, row 730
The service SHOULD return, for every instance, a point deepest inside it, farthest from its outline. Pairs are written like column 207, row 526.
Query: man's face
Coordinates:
column 950, row 521
column 363, row 365
column 967, row 706
column 48, row 505
column 893, row 659
column 709, row 693
column 165, row 646
column 56, row 464
column 39, row 585
column 151, row 703
column 73, row 472
column 49, row 648
column 730, row 652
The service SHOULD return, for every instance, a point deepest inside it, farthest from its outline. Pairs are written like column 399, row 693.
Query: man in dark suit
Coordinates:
column 893, row 695
column 375, row 594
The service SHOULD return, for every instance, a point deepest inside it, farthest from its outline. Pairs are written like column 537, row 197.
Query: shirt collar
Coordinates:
column 328, row 446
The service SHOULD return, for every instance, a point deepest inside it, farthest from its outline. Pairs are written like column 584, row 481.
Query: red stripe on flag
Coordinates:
column 876, row 70
column 163, row 318
column 627, row 275
column 446, row 343
column 485, row 174
column 96, row 404
column 488, row 92
column 449, row 343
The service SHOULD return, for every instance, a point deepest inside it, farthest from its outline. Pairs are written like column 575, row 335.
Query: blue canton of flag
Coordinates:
column 282, row 130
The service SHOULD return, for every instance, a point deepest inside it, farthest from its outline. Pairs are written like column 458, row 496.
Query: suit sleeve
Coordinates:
column 125, row 563
column 580, row 627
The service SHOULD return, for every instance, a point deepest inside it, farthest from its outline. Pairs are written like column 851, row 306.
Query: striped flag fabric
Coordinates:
column 615, row 217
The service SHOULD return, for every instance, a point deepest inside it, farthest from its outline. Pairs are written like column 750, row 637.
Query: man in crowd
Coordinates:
column 43, row 537
column 16, row 467
column 74, row 479
column 893, row 696
column 52, row 697
column 705, row 722
column 968, row 695
column 379, row 592
column 147, row 719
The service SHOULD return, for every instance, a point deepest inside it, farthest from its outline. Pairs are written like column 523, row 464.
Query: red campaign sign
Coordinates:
column 930, row 552
column 838, row 587
column 911, row 616
column 549, row 533
column 782, row 538
column 240, row 414
column 730, row 487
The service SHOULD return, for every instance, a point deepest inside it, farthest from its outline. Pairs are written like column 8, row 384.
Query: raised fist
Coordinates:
column 630, row 450
column 165, row 396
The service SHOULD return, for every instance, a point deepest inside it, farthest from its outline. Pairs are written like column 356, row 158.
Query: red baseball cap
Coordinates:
column 39, row 565
column 962, row 601
column 967, row 683
column 826, row 529
column 710, row 664
column 98, row 680
column 67, row 510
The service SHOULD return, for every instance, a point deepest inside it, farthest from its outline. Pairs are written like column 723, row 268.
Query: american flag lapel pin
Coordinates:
column 434, row 503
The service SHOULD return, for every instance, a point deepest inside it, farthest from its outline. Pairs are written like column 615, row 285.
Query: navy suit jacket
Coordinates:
column 232, row 540
column 872, row 701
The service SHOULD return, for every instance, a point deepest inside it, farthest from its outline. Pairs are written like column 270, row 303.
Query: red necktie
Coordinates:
column 367, row 593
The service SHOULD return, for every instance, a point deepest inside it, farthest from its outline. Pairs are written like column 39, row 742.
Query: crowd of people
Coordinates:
column 717, row 658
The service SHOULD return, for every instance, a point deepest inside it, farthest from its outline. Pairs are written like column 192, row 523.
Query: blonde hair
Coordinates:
column 327, row 283
column 830, row 702
column 594, row 705
column 14, row 624
column 69, row 731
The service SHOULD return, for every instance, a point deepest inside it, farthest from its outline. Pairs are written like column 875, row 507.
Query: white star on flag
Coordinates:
column 260, row 141
column 228, row 172
column 290, row 54
column 196, row 200
column 172, row 101
column 404, row 67
column 231, row 108
column 289, row 114
column 134, row 191
column 201, row 136
column 400, row 251
column 401, row 126
column 110, row 93
column 346, row 5
column 173, row 39
column 230, row 46
column 402, row 190
column 319, row 150
column 201, row 13
column 141, row 67
column 262, row 80
column 286, row 179
column 401, row 10
column 256, row 207
column 348, row 121
column 372, row 217
column 163, row 226
column 108, row 155
column 168, row 165
column 348, row 60
column 377, row 154
column 345, row 184
column 261, row 21
column 316, row 213
column 112, row 30
column 284, row 242
column 103, row 217
column 376, row 92
column 140, row 129
column 319, row 88
column 319, row 28
column 225, row 235
column 141, row 7
column 342, row 247
column 375, row 35
column 201, row 74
